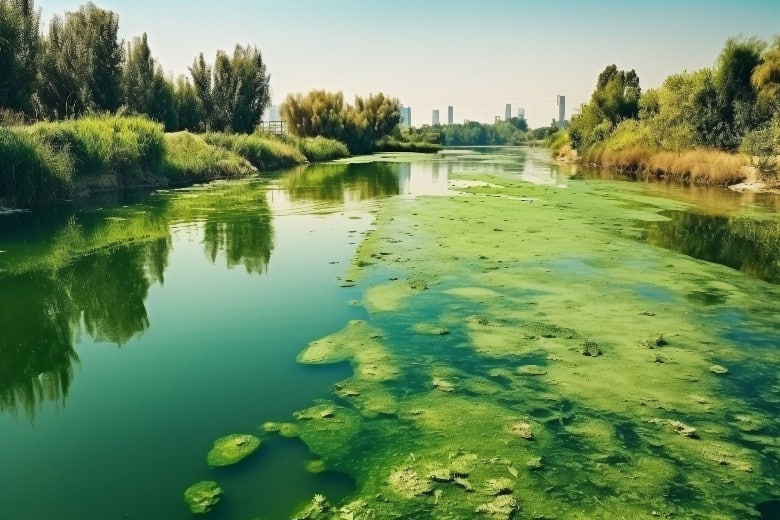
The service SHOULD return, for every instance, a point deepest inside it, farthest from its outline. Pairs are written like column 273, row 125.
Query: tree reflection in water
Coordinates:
column 92, row 273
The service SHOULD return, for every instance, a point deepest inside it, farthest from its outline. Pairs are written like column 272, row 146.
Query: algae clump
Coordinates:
column 201, row 497
column 232, row 449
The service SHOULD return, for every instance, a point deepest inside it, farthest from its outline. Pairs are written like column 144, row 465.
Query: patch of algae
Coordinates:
column 361, row 344
column 232, row 449
column 202, row 496
column 527, row 275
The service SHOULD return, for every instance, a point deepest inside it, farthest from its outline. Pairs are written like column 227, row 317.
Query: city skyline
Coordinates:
column 493, row 52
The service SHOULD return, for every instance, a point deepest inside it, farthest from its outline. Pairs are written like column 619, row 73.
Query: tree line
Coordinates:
column 80, row 67
column 513, row 131
column 733, row 106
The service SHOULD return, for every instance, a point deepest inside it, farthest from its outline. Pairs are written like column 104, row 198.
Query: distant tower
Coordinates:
column 561, row 111
column 508, row 113
column 450, row 115
column 406, row 116
column 520, row 113
column 436, row 117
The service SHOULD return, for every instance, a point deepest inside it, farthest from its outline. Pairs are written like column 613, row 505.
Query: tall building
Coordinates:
column 406, row 116
column 561, row 111
column 508, row 113
column 436, row 117
column 450, row 115
column 520, row 113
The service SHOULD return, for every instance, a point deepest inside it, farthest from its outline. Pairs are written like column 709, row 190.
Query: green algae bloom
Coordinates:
column 201, row 497
column 232, row 449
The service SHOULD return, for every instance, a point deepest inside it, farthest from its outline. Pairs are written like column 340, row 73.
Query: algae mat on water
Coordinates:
column 569, row 372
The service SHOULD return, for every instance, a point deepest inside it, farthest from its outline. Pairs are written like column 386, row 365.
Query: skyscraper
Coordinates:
column 508, row 113
column 406, row 116
column 561, row 111
column 450, row 115
column 436, row 117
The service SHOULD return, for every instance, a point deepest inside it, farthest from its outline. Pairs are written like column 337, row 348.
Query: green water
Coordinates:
column 136, row 331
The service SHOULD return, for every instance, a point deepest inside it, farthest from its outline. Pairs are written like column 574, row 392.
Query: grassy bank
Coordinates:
column 699, row 165
column 631, row 155
column 47, row 162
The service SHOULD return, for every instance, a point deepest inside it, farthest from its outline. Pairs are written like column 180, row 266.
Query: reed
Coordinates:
column 31, row 172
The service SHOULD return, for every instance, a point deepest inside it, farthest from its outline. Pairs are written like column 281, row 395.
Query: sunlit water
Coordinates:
column 134, row 332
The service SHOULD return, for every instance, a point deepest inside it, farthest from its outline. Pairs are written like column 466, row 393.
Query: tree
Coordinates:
column 317, row 113
column 188, row 107
column 736, row 97
column 81, row 64
column 235, row 92
column 138, row 76
column 19, row 47
column 766, row 79
column 615, row 99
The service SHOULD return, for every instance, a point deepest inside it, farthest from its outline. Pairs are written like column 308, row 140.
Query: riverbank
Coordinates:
column 50, row 162
column 525, row 352
column 695, row 166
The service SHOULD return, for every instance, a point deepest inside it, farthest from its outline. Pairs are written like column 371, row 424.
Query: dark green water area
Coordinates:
column 474, row 334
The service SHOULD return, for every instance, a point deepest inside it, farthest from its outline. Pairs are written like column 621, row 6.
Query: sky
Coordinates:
column 474, row 55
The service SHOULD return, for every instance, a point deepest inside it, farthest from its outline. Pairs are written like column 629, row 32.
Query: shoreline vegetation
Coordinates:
column 82, row 111
column 716, row 126
column 50, row 162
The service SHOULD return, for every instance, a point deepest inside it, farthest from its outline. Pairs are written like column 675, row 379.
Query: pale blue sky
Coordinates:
column 476, row 56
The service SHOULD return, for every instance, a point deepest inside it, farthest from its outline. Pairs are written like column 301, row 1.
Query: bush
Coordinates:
column 106, row 144
column 319, row 149
column 263, row 152
column 31, row 172
column 189, row 158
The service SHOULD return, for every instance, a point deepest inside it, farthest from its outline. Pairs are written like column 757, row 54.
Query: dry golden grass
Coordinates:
column 697, row 166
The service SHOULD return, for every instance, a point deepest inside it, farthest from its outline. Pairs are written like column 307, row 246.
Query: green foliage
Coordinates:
column 189, row 111
column 766, row 79
column 32, row 172
column 263, row 152
column 390, row 144
column 763, row 147
column 234, row 93
column 558, row 141
column 319, row 149
column 189, row 158
column 615, row 99
column 106, row 144
column 19, row 46
column 145, row 89
column 81, row 62
column 359, row 126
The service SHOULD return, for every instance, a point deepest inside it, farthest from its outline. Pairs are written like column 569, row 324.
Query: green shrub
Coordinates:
column 319, row 149
column 106, row 144
column 189, row 158
column 263, row 152
column 31, row 172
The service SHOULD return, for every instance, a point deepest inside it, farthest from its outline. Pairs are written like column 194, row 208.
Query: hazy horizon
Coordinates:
column 476, row 57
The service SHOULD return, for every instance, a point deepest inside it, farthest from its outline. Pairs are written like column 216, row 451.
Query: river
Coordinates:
column 136, row 329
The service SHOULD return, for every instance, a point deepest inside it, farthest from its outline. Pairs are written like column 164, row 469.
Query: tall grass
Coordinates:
column 189, row 158
column 318, row 149
column 263, row 152
column 31, row 172
column 388, row 144
column 106, row 144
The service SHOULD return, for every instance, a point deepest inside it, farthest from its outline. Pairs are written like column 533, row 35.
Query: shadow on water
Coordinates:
column 90, row 273
column 748, row 245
